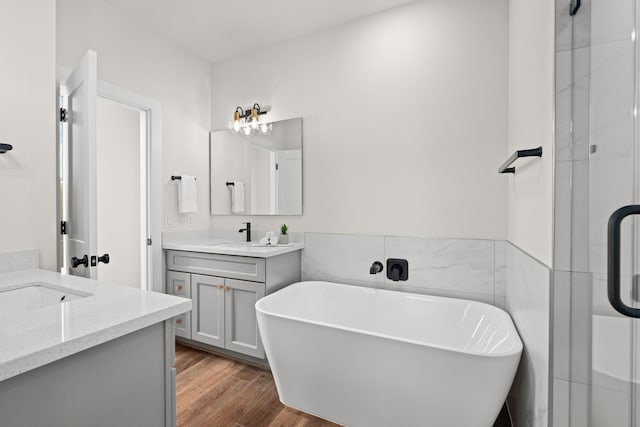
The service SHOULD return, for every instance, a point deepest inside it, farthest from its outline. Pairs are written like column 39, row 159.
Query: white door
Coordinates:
column 289, row 182
column 81, row 122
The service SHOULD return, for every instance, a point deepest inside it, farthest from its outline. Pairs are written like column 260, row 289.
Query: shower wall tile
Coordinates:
column 610, row 407
column 562, row 325
column 571, row 213
column 611, row 186
column 580, row 114
column 581, row 311
column 580, row 408
column 612, row 99
column 572, row 31
column 457, row 265
column 562, row 216
column 561, row 399
column 20, row 260
column 582, row 25
column 342, row 257
column 564, row 101
column 579, row 199
column 528, row 302
column 564, row 26
column 611, row 20
column 572, row 105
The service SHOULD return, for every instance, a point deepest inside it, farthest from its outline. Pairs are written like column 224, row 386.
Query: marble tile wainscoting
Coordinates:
column 529, row 302
column 458, row 268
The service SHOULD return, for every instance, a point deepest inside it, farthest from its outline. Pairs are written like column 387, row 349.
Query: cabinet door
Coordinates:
column 241, row 326
column 207, row 314
column 179, row 284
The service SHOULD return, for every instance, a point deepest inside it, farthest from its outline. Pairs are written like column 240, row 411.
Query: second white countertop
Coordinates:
column 226, row 247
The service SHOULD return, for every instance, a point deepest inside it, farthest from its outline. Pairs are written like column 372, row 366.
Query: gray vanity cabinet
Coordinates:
column 179, row 284
column 207, row 314
column 224, row 290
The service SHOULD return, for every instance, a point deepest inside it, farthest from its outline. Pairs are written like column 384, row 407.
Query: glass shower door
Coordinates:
column 610, row 392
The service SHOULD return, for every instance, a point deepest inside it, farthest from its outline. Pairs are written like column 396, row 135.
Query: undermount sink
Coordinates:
column 249, row 246
column 32, row 296
column 233, row 245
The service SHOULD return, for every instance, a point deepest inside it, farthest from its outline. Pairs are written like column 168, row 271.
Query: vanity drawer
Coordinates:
column 182, row 324
column 179, row 284
column 231, row 266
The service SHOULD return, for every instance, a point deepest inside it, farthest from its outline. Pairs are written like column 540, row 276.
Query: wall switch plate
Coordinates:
column 168, row 220
column 189, row 219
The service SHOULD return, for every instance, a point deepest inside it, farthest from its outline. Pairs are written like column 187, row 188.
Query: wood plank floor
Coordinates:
column 214, row 391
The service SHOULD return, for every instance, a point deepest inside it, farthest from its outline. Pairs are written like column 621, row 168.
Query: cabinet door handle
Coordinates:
column 220, row 286
column 226, row 288
column 178, row 288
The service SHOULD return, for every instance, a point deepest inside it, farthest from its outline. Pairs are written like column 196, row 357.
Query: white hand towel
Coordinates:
column 269, row 239
column 264, row 241
column 187, row 196
column 237, row 197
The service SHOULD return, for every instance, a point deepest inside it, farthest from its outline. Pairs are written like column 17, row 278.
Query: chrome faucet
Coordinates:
column 247, row 229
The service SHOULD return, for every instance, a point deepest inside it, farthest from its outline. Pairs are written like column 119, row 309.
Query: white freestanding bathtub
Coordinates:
column 366, row 357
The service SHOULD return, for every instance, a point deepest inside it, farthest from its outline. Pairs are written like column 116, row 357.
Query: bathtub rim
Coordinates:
column 505, row 354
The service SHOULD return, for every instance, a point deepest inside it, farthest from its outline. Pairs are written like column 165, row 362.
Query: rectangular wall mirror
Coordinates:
column 257, row 174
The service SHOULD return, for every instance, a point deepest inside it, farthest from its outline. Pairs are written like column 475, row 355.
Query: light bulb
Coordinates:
column 246, row 130
column 254, row 118
column 265, row 128
column 236, row 124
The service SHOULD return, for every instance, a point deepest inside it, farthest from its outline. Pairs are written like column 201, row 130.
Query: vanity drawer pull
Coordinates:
column 178, row 321
column 178, row 288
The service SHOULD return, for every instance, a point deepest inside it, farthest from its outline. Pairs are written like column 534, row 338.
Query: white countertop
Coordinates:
column 226, row 247
column 40, row 336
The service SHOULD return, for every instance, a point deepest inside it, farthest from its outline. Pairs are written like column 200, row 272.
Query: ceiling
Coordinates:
column 216, row 29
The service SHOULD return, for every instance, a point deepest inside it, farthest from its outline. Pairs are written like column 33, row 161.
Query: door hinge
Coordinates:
column 574, row 5
column 149, row 241
column 64, row 114
column 63, row 227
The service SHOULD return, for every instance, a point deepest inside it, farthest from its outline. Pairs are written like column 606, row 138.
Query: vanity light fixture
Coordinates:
column 247, row 121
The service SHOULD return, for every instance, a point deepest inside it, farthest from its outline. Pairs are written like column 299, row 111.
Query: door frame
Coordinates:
column 153, row 111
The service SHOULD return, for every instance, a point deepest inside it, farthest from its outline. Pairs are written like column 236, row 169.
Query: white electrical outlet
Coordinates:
column 168, row 220
column 189, row 219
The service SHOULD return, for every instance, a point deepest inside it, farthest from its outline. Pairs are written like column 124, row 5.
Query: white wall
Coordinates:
column 119, row 205
column 27, row 121
column 405, row 119
column 531, row 115
column 144, row 62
